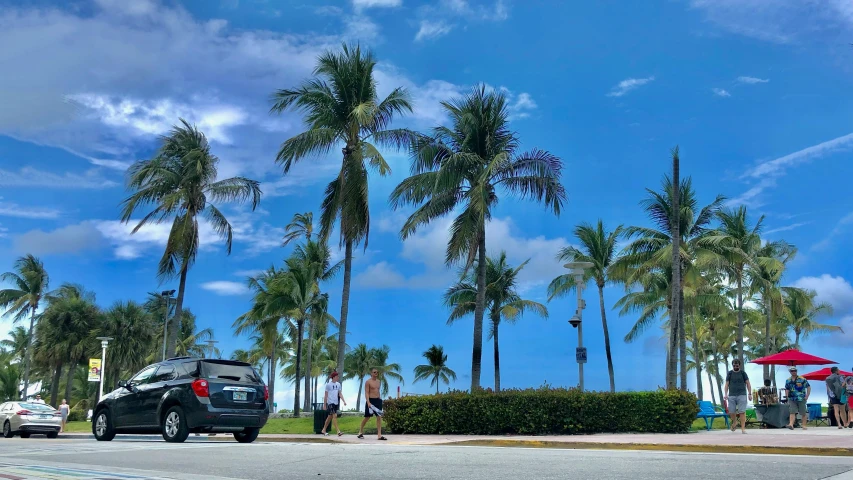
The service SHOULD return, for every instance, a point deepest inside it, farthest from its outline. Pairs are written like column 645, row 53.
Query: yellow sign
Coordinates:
column 94, row 369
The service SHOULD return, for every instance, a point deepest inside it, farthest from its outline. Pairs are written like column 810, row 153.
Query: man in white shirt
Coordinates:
column 38, row 400
column 331, row 401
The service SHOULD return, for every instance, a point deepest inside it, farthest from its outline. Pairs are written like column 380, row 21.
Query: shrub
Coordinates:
column 77, row 415
column 542, row 411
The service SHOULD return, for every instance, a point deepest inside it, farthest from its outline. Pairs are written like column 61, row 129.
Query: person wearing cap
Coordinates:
column 738, row 389
column 331, row 401
column 798, row 390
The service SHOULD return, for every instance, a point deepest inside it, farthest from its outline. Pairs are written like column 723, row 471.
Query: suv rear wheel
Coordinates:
column 248, row 435
column 102, row 426
column 175, row 427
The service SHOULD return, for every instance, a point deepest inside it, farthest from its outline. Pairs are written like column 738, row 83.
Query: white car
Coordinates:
column 25, row 418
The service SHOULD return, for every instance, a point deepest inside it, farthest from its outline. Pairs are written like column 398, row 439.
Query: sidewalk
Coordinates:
column 814, row 441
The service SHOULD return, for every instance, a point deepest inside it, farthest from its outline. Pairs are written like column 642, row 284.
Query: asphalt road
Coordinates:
column 144, row 459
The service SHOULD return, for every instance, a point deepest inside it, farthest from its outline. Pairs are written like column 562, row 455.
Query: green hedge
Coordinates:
column 542, row 411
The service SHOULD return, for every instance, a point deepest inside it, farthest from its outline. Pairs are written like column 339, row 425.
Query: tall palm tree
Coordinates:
column 765, row 281
column 801, row 310
column 341, row 107
column 180, row 183
column 739, row 246
column 30, row 285
column 463, row 168
column 503, row 302
column 597, row 246
column 436, row 369
column 302, row 225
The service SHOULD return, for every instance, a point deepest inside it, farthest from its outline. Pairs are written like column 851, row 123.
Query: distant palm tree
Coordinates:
column 436, row 369
column 302, row 225
column 597, row 246
column 765, row 280
column 10, row 381
column 133, row 332
column 359, row 362
column 30, row 285
column 181, row 184
column 800, row 312
column 503, row 302
column 386, row 370
column 193, row 342
column 462, row 168
column 16, row 343
column 342, row 107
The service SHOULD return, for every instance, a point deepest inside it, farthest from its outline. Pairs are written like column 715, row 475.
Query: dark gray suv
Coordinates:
column 186, row 395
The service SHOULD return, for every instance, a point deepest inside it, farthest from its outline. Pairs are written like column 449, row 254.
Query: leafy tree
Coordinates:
column 463, row 168
column 132, row 330
column 180, row 183
column 436, row 369
column 341, row 106
column 16, row 343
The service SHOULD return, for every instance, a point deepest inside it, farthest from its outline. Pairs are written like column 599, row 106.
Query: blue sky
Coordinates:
column 755, row 92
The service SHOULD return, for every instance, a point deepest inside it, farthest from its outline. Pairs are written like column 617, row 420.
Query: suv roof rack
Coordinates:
column 177, row 358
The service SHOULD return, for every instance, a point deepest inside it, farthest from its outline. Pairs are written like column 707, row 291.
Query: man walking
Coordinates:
column 799, row 390
column 372, row 404
column 331, row 401
column 835, row 390
column 738, row 389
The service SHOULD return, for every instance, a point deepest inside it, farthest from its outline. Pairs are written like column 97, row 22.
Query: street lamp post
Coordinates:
column 104, row 342
column 167, row 295
column 577, row 271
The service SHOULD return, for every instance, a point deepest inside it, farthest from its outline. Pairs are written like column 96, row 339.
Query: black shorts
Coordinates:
column 376, row 402
column 835, row 401
column 332, row 408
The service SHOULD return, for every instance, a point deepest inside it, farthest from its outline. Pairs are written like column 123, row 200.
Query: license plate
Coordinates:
column 240, row 396
column 45, row 417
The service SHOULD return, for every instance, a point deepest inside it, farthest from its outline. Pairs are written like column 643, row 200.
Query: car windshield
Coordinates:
column 229, row 371
column 36, row 407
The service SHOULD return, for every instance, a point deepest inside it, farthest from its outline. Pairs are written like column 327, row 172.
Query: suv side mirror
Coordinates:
column 123, row 384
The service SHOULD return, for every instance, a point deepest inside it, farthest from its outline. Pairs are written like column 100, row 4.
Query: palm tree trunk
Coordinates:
column 69, row 381
column 358, row 400
column 716, row 359
column 740, row 316
column 606, row 337
column 797, row 338
column 675, row 322
column 273, row 364
column 54, row 385
column 316, row 389
column 300, row 331
column 309, row 358
column 682, row 343
column 767, row 323
column 174, row 325
column 711, row 385
column 696, row 349
column 479, row 311
column 28, row 357
column 495, row 323
column 773, row 374
column 342, row 327
column 436, row 382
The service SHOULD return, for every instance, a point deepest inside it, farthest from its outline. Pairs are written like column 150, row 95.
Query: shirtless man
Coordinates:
column 371, row 397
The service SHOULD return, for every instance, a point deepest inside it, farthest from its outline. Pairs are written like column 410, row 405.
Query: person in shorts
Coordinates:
column 331, row 403
column 372, row 404
column 738, row 389
column 835, row 392
column 798, row 390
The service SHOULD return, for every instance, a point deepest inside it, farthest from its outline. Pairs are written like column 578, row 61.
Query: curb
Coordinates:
column 817, row 451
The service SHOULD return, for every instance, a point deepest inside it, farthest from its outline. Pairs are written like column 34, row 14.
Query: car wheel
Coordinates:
column 248, row 435
column 102, row 426
column 53, row 435
column 7, row 430
column 175, row 427
column 25, row 435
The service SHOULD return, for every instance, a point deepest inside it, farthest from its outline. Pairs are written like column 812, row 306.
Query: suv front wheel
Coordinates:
column 248, row 435
column 102, row 426
column 175, row 427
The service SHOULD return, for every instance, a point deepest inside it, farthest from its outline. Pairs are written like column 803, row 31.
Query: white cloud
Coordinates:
column 10, row 209
column 359, row 4
column 380, row 275
column 786, row 228
column 835, row 291
column 226, row 288
column 627, row 85
column 32, row 177
column 839, row 228
column 248, row 273
column 430, row 30
column 68, row 239
column 522, row 106
column 720, row 92
column 751, row 80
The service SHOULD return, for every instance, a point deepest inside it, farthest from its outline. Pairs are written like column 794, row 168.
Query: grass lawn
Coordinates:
column 348, row 424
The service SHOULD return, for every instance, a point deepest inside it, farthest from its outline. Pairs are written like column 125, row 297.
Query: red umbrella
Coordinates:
column 792, row 357
column 820, row 375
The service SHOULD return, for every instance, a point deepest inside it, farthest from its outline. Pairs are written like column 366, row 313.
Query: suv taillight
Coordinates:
column 23, row 412
column 201, row 388
column 266, row 393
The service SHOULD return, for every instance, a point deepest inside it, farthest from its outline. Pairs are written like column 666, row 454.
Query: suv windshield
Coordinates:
column 239, row 372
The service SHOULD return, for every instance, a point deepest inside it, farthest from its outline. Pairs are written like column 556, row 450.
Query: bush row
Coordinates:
column 542, row 411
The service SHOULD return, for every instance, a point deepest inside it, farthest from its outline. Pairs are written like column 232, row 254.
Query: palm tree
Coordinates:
column 436, row 368
column 193, row 342
column 180, row 183
column 30, row 285
column 133, row 333
column 800, row 313
column 503, row 301
column 739, row 246
column 462, row 167
column 341, row 106
column 765, row 281
column 302, row 225
column 16, row 343
column 10, row 380
column 386, row 370
column 359, row 362
column 597, row 246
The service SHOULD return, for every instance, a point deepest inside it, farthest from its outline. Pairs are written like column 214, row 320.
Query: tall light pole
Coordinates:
column 166, row 295
column 577, row 271
column 104, row 342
